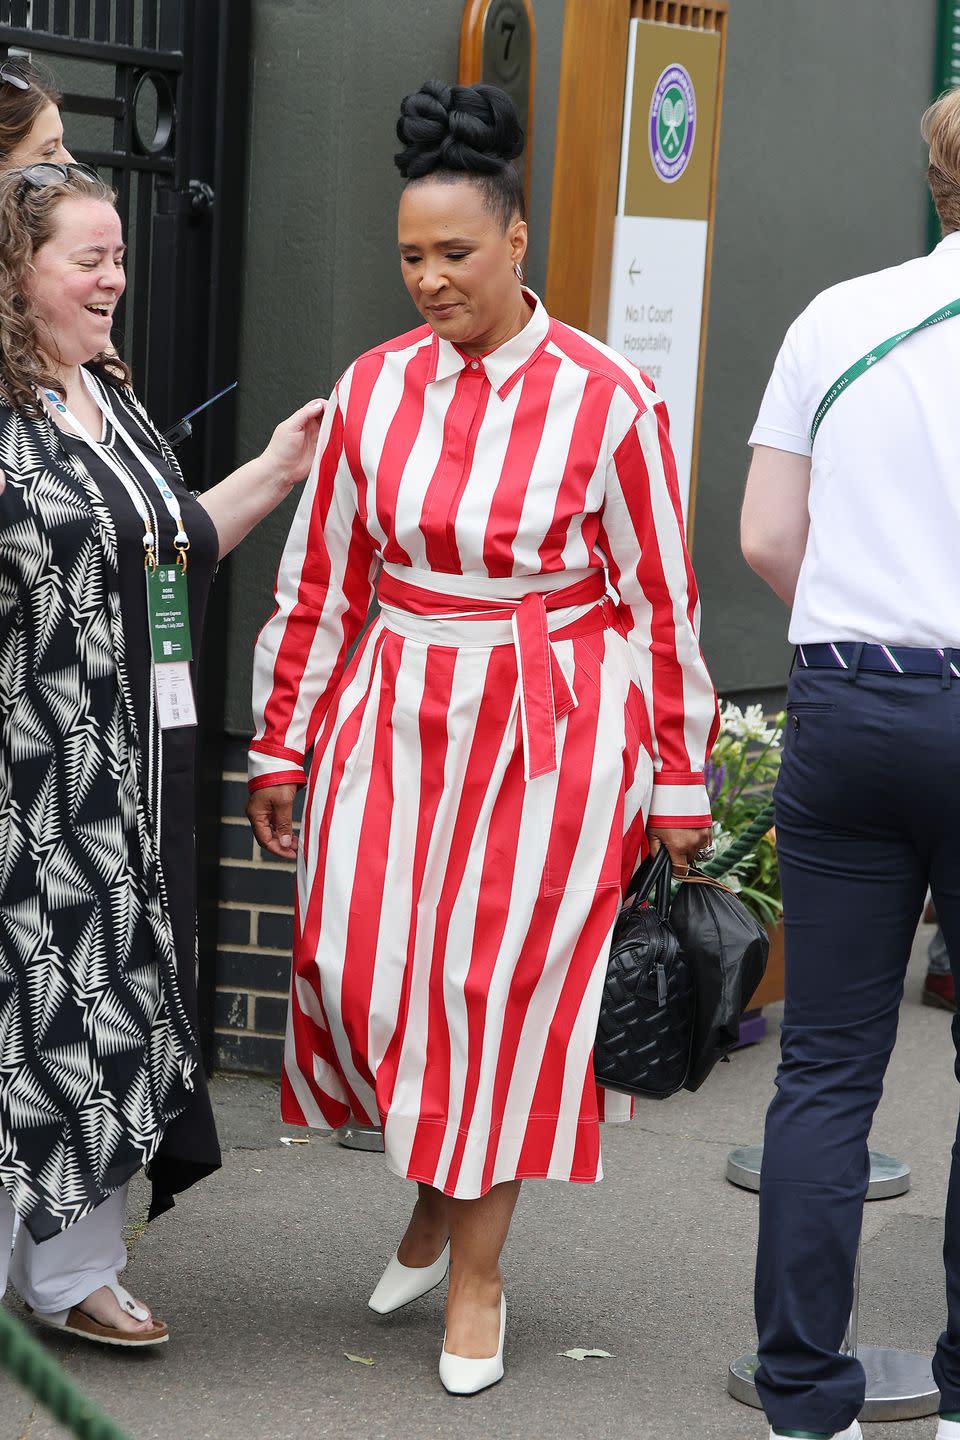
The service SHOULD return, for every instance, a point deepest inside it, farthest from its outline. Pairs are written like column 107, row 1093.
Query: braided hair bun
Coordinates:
column 470, row 128
column 464, row 132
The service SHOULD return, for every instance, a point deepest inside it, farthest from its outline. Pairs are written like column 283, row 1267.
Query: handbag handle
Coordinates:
column 697, row 877
column 655, row 874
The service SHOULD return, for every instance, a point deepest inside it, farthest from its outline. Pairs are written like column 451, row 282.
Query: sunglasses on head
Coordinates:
column 11, row 74
column 50, row 172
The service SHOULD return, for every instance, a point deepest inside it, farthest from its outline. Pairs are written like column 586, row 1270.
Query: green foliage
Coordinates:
column 740, row 776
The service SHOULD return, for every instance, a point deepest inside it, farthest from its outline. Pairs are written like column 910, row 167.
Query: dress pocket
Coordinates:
column 582, row 842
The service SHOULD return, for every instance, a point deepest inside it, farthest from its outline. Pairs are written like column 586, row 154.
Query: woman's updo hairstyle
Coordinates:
column 456, row 132
column 940, row 128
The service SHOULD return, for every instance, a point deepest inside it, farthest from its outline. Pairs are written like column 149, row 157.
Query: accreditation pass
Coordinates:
column 169, row 621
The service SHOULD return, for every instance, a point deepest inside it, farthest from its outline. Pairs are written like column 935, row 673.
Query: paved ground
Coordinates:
column 263, row 1273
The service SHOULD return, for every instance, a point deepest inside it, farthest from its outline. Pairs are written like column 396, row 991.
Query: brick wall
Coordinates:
column 255, row 936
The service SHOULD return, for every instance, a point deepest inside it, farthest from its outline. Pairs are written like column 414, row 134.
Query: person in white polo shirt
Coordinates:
column 852, row 516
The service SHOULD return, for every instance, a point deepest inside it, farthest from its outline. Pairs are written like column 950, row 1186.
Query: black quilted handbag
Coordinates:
column 645, row 1028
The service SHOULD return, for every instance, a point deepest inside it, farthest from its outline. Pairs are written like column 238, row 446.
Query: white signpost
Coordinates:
column 662, row 228
column 656, row 313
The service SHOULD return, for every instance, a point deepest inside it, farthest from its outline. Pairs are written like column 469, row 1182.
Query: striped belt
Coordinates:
column 879, row 659
column 529, row 622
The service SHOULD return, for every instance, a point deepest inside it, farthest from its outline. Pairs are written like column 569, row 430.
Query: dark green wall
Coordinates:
column 821, row 177
column 322, row 279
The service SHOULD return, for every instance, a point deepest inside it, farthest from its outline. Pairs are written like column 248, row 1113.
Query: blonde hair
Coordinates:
column 940, row 128
column 28, row 219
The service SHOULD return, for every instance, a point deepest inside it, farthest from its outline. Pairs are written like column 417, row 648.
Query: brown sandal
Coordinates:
column 76, row 1321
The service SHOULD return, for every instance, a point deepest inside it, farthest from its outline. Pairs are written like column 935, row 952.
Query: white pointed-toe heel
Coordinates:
column 399, row 1283
column 462, row 1376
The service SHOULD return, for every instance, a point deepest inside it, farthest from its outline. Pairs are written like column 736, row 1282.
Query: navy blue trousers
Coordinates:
column 868, row 813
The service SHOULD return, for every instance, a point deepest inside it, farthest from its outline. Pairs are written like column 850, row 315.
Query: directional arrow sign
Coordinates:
column 661, row 261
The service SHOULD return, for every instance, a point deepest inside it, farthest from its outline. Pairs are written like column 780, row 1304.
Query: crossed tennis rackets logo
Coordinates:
column 673, row 115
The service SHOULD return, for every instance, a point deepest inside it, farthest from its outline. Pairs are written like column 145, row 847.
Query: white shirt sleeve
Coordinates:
column 783, row 422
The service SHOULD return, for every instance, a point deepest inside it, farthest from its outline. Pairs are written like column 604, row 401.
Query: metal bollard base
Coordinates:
column 888, row 1176
column 360, row 1137
column 742, row 1380
column 900, row 1385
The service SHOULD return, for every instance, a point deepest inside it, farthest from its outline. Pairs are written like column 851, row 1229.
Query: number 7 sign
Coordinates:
column 498, row 47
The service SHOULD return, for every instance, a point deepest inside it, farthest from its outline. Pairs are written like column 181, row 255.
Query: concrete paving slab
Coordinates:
column 263, row 1274
column 903, row 1263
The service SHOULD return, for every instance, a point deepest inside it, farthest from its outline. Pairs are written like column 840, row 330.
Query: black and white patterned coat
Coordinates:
column 97, row 1055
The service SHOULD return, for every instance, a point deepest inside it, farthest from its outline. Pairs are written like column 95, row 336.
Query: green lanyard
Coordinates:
column 946, row 312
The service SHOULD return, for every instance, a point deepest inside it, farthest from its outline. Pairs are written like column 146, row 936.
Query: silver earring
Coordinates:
column 518, row 270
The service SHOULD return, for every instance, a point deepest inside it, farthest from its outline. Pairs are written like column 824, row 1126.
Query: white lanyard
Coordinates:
column 181, row 540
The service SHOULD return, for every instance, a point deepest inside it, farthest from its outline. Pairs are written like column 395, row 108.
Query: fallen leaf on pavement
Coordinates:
column 584, row 1354
column 360, row 1359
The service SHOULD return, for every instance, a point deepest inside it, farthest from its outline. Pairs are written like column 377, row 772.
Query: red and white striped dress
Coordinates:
column 486, row 764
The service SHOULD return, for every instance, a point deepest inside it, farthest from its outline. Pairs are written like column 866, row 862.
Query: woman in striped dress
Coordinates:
column 528, row 708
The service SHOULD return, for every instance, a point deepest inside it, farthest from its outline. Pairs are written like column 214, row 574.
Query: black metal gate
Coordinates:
column 155, row 93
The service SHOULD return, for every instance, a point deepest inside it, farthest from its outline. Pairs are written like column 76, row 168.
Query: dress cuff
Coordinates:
column 680, row 801
column 264, row 769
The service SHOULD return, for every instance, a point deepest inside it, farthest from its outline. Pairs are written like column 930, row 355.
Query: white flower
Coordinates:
column 755, row 726
column 753, row 718
column 732, row 720
column 749, row 725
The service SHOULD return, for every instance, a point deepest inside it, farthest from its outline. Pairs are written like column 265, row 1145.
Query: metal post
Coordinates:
column 849, row 1346
column 900, row 1384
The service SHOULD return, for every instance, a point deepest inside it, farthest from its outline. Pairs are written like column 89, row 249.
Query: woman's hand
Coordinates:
column 292, row 445
column 270, row 812
column 243, row 499
column 682, row 844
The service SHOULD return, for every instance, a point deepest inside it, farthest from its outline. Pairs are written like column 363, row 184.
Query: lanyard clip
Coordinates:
column 149, row 554
column 181, row 547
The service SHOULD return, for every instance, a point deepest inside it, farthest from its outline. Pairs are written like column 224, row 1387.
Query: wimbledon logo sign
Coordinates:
column 673, row 119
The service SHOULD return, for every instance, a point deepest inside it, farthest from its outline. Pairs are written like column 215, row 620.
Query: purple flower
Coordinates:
column 714, row 777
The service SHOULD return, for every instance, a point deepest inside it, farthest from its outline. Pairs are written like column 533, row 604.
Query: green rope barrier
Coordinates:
column 37, row 1371
column 742, row 846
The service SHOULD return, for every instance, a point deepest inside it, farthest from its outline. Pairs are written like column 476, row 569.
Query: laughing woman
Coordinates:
column 487, row 767
column 99, row 1069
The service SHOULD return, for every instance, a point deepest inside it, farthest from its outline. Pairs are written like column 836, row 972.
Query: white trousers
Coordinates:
column 65, row 1269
